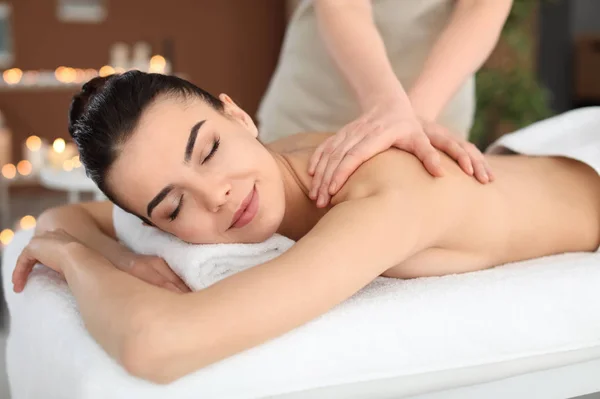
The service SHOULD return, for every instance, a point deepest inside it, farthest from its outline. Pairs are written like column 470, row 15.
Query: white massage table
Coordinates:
column 528, row 330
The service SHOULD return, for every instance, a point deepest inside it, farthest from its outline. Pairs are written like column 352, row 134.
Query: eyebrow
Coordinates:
column 159, row 197
column 189, row 148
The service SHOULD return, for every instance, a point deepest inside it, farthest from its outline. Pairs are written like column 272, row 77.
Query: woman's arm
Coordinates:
column 92, row 224
column 352, row 39
column 461, row 49
column 161, row 336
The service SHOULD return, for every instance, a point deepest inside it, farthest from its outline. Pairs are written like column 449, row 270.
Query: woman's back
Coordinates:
column 536, row 206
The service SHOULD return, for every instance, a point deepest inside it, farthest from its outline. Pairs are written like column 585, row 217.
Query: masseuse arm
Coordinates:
column 161, row 336
column 351, row 37
column 461, row 49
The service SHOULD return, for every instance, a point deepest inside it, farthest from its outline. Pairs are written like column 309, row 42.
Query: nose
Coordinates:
column 215, row 195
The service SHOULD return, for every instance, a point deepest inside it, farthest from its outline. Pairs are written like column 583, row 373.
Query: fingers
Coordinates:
column 172, row 287
column 489, row 170
column 427, row 155
column 327, row 187
column 325, row 148
column 468, row 156
column 148, row 274
column 450, row 146
column 165, row 271
column 315, row 158
column 23, row 268
column 353, row 158
column 480, row 165
column 318, row 177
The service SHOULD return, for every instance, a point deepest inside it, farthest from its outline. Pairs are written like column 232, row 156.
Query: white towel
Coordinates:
column 403, row 330
column 198, row 265
column 574, row 134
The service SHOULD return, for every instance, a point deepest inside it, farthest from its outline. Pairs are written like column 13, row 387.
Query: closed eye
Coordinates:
column 214, row 149
column 175, row 212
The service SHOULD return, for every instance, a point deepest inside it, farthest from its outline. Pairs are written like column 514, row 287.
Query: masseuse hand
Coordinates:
column 376, row 131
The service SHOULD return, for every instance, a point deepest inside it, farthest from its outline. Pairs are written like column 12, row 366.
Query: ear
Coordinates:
column 238, row 114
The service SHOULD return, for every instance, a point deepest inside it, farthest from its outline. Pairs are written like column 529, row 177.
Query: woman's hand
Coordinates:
column 51, row 248
column 154, row 270
column 378, row 130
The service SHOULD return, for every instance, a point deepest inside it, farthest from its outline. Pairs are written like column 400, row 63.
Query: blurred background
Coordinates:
column 547, row 62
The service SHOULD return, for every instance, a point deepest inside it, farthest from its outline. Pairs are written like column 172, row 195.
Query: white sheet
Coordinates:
column 529, row 315
column 391, row 330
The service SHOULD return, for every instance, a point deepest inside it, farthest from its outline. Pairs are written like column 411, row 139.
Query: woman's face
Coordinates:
column 200, row 175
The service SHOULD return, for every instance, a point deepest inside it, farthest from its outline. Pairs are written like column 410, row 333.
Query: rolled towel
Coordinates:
column 199, row 266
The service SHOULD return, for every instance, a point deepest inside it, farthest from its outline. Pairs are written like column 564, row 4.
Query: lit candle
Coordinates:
column 12, row 76
column 9, row 171
column 60, row 152
column 69, row 75
column 106, row 70
column 34, row 151
column 6, row 236
column 157, row 64
column 27, row 222
column 79, row 75
column 24, row 168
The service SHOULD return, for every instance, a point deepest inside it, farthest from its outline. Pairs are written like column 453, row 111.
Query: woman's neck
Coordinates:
column 301, row 214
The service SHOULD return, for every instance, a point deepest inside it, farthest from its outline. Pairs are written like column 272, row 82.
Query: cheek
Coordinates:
column 196, row 228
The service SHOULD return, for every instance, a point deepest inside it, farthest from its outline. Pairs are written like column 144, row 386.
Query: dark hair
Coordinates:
column 104, row 114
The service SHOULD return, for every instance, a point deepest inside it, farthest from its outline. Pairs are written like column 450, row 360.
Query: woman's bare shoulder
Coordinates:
column 298, row 142
column 392, row 169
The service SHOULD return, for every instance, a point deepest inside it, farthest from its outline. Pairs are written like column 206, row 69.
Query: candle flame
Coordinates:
column 9, row 171
column 27, row 222
column 106, row 70
column 12, row 76
column 33, row 143
column 59, row 145
column 24, row 167
column 6, row 236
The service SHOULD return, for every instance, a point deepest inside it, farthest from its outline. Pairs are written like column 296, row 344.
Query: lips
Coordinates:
column 247, row 210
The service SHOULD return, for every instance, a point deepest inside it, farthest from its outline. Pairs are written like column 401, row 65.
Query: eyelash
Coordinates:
column 214, row 149
column 174, row 214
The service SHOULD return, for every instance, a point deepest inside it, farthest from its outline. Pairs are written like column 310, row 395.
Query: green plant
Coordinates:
column 510, row 95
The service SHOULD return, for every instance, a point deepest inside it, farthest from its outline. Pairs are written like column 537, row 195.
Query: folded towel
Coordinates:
column 198, row 265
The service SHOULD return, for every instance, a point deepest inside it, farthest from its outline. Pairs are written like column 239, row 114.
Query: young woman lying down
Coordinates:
column 191, row 165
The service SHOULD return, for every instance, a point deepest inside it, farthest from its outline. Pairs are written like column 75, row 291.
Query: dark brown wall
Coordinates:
column 222, row 45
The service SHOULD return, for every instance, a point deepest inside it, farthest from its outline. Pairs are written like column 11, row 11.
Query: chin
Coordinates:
column 267, row 224
column 266, row 230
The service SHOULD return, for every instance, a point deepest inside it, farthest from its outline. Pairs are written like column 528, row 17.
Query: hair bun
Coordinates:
column 81, row 100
